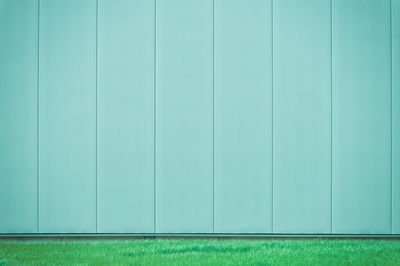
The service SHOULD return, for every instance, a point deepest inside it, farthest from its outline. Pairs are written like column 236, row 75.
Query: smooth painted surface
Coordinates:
column 67, row 116
column 243, row 116
column 199, row 116
column 396, row 115
column 18, row 116
column 184, row 130
column 361, row 117
column 126, row 116
column 302, row 116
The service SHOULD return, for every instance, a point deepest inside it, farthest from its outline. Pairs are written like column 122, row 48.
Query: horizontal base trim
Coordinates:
column 199, row 235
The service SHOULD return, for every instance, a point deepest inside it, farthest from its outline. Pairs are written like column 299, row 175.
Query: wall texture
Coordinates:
column 200, row 116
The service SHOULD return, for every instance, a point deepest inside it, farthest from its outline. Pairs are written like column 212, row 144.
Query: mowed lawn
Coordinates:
column 201, row 252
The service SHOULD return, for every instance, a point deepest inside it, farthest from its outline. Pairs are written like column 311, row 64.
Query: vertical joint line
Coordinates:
column 331, row 48
column 391, row 121
column 97, row 44
column 155, row 118
column 37, row 122
column 272, row 114
column 213, row 227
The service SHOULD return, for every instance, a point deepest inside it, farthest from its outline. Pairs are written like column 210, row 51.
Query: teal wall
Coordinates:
column 200, row 116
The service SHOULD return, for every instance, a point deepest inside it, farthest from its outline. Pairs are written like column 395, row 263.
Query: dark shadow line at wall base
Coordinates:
column 93, row 236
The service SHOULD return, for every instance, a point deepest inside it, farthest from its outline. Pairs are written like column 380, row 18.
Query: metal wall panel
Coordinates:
column 184, row 116
column 199, row 116
column 67, row 120
column 361, row 117
column 126, row 116
column 396, row 115
column 302, row 116
column 18, row 116
column 243, row 116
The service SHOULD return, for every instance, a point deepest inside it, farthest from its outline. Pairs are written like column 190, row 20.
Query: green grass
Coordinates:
column 201, row 251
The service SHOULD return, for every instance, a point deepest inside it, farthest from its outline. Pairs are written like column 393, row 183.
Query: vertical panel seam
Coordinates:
column 391, row 121
column 37, row 122
column 272, row 114
column 331, row 140
column 213, row 155
column 155, row 118
column 97, row 43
